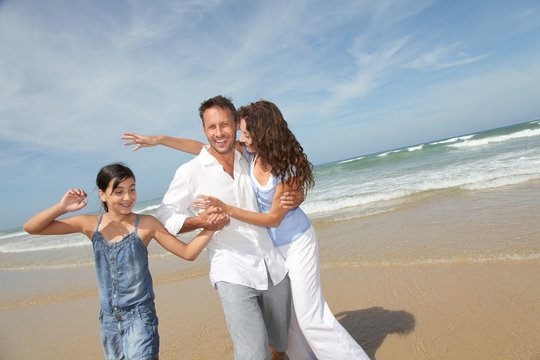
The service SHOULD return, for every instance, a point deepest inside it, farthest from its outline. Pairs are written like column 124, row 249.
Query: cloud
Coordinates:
column 372, row 72
column 378, row 49
column 442, row 57
column 71, row 85
column 76, row 74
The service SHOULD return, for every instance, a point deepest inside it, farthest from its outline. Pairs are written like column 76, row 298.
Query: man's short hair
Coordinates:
column 217, row 101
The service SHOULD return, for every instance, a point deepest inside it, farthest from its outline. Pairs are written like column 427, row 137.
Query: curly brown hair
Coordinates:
column 276, row 145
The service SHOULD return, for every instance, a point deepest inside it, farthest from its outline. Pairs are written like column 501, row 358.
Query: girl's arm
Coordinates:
column 171, row 243
column 185, row 145
column 270, row 219
column 45, row 222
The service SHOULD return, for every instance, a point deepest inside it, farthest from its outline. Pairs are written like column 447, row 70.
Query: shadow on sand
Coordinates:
column 369, row 327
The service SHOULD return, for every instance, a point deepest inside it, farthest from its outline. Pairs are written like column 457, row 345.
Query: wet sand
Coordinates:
column 409, row 302
column 474, row 311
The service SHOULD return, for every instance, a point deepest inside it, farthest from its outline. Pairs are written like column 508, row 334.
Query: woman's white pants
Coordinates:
column 314, row 332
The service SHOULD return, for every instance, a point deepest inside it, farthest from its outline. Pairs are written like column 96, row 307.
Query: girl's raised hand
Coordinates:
column 73, row 200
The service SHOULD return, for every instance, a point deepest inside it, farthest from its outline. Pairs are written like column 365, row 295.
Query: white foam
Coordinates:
column 12, row 235
column 335, row 204
column 415, row 148
column 500, row 182
column 497, row 139
column 148, row 209
column 351, row 160
column 389, row 152
column 32, row 243
column 454, row 139
column 364, row 189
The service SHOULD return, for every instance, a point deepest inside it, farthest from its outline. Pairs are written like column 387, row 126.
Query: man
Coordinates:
column 245, row 268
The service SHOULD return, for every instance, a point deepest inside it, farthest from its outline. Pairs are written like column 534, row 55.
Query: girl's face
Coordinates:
column 122, row 199
column 245, row 137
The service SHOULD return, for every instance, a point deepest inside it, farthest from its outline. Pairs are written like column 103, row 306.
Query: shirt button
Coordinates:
column 115, row 308
column 114, row 271
column 118, row 317
column 111, row 246
column 112, row 258
column 114, row 296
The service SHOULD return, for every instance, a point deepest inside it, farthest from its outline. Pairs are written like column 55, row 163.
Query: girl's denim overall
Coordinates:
column 128, row 321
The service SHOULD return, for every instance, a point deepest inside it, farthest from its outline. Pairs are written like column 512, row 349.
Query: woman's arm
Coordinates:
column 186, row 251
column 185, row 145
column 45, row 222
column 270, row 219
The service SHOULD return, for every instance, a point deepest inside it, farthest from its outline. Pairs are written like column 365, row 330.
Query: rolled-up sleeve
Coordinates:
column 173, row 210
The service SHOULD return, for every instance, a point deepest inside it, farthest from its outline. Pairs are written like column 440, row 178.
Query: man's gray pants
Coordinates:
column 256, row 318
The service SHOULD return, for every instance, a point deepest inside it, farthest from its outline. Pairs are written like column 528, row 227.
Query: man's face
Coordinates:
column 220, row 129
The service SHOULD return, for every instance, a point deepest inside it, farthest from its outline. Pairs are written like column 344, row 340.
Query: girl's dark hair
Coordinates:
column 276, row 145
column 117, row 172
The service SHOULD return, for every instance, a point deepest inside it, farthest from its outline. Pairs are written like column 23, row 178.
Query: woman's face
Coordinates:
column 245, row 137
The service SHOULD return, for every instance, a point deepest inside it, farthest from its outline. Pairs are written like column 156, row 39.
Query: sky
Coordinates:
column 350, row 77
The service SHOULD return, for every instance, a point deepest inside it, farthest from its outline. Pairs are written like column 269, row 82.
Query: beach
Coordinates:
column 454, row 276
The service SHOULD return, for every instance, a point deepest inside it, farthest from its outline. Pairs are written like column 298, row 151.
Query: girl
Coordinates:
column 278, row 165
column 128, row 321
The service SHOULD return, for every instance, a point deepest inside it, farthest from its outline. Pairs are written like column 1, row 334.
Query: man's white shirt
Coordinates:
column 239, row 252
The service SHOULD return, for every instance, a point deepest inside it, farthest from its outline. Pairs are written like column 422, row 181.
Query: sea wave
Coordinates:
column 501, row 182
column 374, row 192
column 452, row 140
column 389, row 152
column 18, row 249
column 333, row 205
column 32, row 244
column 497, row 139
column 351, row 160
column 415, row 148
column 148, row 209
column 12, row 234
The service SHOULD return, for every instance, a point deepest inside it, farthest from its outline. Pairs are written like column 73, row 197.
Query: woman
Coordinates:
column 278, row 165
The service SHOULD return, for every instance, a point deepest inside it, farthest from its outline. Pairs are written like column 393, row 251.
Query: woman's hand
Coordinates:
column 140, row 140
column 205, row 201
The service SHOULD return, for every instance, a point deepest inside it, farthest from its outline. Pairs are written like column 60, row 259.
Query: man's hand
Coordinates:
column 292, row 199
column 140, row 140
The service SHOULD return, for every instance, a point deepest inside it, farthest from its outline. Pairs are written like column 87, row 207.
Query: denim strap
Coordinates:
column 99, row 222
column 137, row 223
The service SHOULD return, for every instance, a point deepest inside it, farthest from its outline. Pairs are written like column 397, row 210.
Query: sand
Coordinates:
column 462, row 310
column 479, row 311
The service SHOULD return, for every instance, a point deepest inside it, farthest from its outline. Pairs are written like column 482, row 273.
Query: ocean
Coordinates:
column 351, row 189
